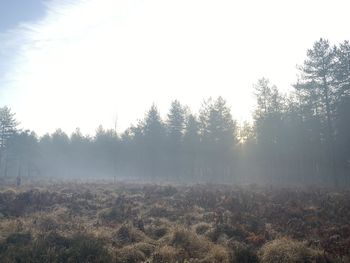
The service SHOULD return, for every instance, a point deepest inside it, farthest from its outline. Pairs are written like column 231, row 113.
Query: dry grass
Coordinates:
column 201, row 228
column 100, row 222
column 285, row 250
column 165, row 254
column 127, row 234
column 217, row 254
column 129, row 254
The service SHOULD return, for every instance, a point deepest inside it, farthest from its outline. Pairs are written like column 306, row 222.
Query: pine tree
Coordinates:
column 191, row 142
column 8, row 128
column 175, row 129
column 153, row 132
column 176, row 122
column 268, row 121
column 342, row 71
column 319, row 81
column 218, row 132
column 153, row 126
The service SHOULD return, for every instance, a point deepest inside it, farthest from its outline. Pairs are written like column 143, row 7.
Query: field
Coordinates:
column 106, row 222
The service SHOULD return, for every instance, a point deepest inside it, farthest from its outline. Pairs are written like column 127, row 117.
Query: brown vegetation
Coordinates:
column 152, row 223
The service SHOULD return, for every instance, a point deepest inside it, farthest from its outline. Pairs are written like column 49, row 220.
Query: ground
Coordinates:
column 128, row 222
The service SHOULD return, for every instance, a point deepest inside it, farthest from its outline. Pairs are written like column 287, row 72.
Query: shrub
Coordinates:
column 245, row 256
column 227, row 230
column 165, row 254
column 53, row 248
column 47, row 223
column 86, row 249
column 120, row 211
column 241, row 253
column 285, row 250
column 156, row 232
column 18, row 239
column 160, row 211
column 129, row 254
column 188, row 241
column 217, row 254
column 127, row 234
column 202, row 228
column 146, row 248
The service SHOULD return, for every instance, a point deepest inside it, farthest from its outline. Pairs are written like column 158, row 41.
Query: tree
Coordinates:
column 8, row 125
column 342, row 72
column 81, row 157
column 268, row 114
column 342, row 120
column 175, row 128
column 342, row 125
column 217, row 125
column 106, row 150
column 23, row 153
column 319, row 81
column 218, row 132
column 153, row 135
column 268, row 121
column 191, row 146
column 153, row 126
column 269, row 100
column 176, row 122
column 8, row 128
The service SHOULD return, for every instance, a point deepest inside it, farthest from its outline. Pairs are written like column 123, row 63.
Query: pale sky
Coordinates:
column 84, row 62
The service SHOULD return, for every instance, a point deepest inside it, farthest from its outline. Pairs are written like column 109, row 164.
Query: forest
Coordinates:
column 191, row 187
column 302, row 137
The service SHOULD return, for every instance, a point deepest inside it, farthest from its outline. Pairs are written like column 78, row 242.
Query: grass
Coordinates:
column 100, row 222
column 285, row 250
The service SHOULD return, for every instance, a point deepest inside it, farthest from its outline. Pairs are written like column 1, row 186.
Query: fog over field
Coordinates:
column 174, row 131
column 299, row 138
column 190, row 91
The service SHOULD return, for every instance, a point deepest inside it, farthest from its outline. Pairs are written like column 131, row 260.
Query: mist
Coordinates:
column 296, row 138
column 174, row 131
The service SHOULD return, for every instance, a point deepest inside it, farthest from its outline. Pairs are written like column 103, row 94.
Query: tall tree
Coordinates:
column 106, row 149
column 318, row 79
column 268, row 123
column 176, row 122
column 23, row 153
column 342, row 72
column 175, row 128
column 191, row 141
column 218, row 131
column 153, row 132
column 342, row 125
column 82, row 153
column 8, row 125
column 268, row 114
column 8, row 128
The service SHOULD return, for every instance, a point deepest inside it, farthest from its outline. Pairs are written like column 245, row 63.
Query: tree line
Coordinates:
column 299, row 137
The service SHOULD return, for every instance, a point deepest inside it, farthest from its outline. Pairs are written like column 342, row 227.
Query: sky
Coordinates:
column 81, row 63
